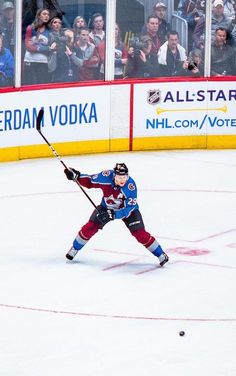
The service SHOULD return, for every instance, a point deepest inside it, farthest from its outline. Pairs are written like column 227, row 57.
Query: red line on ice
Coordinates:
column 111, row 316
column 200, row 240
column 205, row 264
column 152, row 268
column 116, row 252
column 121, row 264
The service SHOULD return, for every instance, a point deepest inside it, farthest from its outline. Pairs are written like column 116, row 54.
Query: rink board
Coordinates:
column 118, row 117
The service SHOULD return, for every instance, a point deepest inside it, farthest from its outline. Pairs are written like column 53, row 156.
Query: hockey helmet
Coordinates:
column 121, row 169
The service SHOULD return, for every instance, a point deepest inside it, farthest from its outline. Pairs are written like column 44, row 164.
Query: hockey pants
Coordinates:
column 135, row 225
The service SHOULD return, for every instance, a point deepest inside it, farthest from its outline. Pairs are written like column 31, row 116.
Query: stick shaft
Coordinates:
column 52, row 149
column 39, row 118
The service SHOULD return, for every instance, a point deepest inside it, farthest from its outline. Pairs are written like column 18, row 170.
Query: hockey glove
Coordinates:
column 72, row 174
column 105, row 216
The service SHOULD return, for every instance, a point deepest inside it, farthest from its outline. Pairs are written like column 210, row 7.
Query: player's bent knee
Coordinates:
column 89, row 229
column 143, row 237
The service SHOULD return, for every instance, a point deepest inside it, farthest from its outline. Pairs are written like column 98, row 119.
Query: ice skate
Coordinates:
column 163, row 258
column 72, row 253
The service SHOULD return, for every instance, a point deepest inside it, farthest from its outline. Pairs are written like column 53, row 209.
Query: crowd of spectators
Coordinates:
column 7, row 42
column 54, row 51
column 223, row 32
column 175, row 60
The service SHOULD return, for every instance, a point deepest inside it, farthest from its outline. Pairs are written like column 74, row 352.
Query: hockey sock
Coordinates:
column 79, row 242
column 148, row 241
column 86, row 232
column 155, row 248
column 158, row 251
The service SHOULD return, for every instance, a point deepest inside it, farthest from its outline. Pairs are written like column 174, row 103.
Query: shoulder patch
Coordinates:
column 106, row 173
column 131, row 187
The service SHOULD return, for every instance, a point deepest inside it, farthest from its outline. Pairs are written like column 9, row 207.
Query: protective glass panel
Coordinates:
column 7, row 43
column 159, row 38
column 223, row 38
column 63, row 41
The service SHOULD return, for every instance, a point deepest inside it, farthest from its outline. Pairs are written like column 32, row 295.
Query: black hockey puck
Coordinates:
column 181, row 333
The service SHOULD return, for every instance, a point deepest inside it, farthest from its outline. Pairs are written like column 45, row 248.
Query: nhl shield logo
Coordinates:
column 154, row 96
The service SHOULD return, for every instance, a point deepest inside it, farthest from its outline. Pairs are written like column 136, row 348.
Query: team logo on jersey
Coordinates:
column 154, row 96
column 113, row 203
column 94, row 176
column 106, row 173
column 131, row 187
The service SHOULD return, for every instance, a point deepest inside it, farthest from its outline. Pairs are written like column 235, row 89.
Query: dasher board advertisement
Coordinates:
column 184, row 109
column 72, row 114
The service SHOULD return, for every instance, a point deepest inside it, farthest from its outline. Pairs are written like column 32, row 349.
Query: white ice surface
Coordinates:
column 111, row 311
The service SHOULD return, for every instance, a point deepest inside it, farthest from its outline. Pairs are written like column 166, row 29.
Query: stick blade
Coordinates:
column 39, row 119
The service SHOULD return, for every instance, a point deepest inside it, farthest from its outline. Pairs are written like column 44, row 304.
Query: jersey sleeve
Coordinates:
column 95, row 180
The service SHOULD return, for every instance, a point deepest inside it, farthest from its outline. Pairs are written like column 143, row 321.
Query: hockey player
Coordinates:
column 119, row 201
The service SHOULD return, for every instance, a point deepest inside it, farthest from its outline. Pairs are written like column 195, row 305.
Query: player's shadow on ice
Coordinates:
column 117, row 268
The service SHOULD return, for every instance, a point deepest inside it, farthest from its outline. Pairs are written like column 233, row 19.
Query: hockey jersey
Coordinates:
column 123, row 200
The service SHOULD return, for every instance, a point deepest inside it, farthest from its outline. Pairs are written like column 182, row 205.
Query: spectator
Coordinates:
column 97, row 36
column 218, row 20
column 198, row 37
column 233, row 33
column 85, row 56
column 229, row 9
column 7, row 25
column 171, row 56
column 142, row 63
column 191, row 11
column 59, row 62
column 101, row 53
column 152, row 26
column 69, row 33
column 120, row 55
column 223, row 59
column 37, row 50
column 194, row 66
column 97, row 33
column 79, row 22
column 30, row 8
column 159, row 10
column 164, row 27
column 6, row 65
